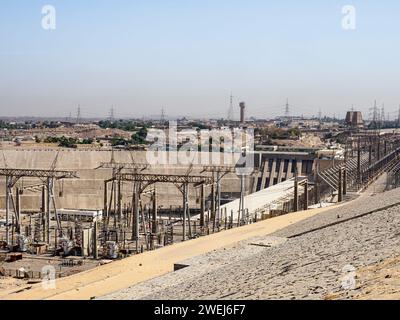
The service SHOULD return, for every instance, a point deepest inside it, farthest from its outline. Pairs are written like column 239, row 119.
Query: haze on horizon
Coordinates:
column 188, row 56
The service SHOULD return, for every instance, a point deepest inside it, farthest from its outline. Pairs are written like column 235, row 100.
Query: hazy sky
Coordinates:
column 188, row 55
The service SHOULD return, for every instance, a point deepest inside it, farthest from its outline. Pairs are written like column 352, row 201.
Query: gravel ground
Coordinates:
column 305, row 267
column 199, row 266
column 378, row 281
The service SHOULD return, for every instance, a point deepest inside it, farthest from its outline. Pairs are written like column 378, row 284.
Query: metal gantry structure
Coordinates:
column 367, row 155
column 142, row 181
column 218, row 173
column 48, row 177
column 113, row 204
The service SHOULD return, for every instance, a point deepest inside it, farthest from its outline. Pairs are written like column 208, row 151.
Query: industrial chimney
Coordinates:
column 242, row 107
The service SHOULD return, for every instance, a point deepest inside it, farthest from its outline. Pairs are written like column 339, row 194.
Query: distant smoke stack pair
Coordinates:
column 354, row 119
column 242, row 107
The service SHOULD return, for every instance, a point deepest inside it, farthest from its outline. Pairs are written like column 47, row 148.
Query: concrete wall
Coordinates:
column 276, row 167
column 87, row 191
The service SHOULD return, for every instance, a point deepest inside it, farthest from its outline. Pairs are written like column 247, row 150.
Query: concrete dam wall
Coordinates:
column 87, row 191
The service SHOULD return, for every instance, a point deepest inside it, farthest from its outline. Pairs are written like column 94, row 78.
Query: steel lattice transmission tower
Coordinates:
column 162, row 118
column 375, row 113
column 78, row 115
column 287, row 108
column 231, row 109
column 112, row 114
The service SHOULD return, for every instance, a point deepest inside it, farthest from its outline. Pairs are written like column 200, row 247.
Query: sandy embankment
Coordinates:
column 127, row 272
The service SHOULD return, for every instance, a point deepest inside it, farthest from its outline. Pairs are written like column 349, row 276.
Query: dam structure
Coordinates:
column 79, row 207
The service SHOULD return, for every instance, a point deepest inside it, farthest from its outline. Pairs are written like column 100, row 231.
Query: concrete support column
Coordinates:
column 299, row 167
column 95, row 251
column 289, row 170
column 264, row 174
column 280, row 172
column 272, row 174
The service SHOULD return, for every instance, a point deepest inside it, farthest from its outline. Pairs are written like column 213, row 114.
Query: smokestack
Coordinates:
column 242, row 107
